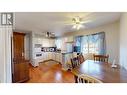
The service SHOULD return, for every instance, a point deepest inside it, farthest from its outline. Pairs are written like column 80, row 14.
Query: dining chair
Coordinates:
column 81, row 58
column 74, row 62
column 86, row 79
column 101, row 58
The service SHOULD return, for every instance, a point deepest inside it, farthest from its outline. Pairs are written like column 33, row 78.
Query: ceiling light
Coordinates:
column 76, row 20
column 77, row 23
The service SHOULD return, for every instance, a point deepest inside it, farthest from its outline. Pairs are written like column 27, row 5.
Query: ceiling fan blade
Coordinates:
column 88, row 21
column 68, row 23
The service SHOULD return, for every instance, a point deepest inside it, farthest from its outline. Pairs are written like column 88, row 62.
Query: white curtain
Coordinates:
column 94, row 43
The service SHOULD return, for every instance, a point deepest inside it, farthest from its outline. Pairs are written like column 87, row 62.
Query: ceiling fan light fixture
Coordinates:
column 77, row 23
column 79, row 26
column 76, row 20
column 74, row 26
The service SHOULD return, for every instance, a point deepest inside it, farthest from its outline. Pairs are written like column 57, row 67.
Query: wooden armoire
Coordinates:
column 20, row 66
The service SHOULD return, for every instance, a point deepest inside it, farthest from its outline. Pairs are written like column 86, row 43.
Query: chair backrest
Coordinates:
column 102, row 58
column 74, row 62
column 87, row 79
column 81, row 58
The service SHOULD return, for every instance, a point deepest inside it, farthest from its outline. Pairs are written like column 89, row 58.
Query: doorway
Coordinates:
column 20, row 64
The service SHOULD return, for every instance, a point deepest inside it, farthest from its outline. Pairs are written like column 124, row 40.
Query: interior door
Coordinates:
column 20, row 67
column 18, row 45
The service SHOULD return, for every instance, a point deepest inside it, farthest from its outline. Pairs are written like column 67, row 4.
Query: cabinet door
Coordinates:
column 70, row 39
column 39, row 41
column 57, row 57
column 44, row 56
column 49, row 55
column 52, row 42
column 54, row 56
column 60, row 58
column 35, row 40
column 45, row 42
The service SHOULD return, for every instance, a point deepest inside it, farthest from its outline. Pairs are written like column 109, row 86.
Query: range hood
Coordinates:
column 50, row 35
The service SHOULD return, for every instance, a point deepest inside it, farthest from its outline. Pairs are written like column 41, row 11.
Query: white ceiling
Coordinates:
column 56, row 21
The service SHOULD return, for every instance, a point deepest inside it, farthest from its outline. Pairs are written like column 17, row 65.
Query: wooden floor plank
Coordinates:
column 50, row 72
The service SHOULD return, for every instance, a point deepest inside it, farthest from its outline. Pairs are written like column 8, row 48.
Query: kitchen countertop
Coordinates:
column 66, row 52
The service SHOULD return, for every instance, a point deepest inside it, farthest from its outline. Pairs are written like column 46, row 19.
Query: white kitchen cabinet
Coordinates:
column 44, row 56
column 58, row 57
column 60, row 60
column 70, row 39
column 48, row 42
column 51, row 42
column 53, row 56
column 50, row 55
column 45, row 42
column 37, row 40
column 47, row 55
column 41, row 58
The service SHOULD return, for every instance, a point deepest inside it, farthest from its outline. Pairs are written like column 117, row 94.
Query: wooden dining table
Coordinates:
column 102, row 71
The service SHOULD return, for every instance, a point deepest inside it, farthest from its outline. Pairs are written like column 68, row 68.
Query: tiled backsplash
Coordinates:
column 48, row 49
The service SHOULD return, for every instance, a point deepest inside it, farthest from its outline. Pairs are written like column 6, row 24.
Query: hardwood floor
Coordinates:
column 50, row 72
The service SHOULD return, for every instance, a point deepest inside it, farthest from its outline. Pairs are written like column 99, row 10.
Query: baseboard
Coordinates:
column 50, row 60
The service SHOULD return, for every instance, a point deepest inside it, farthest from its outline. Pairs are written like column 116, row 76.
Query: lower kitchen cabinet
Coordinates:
column 47, row 56
column 50, row 55
column 53, row 56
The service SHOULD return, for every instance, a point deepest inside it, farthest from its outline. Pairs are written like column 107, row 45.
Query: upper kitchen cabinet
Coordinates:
column 38, row 40
column 47, row 42
column 51, row 42
column 69, row 39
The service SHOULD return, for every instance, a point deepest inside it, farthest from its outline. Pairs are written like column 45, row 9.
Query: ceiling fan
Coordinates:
column 78, row 23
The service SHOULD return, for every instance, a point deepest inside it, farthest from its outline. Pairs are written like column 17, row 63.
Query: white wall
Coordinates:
column 5, row 54
column 123, row 40
column 112, row 38
column 27, row 46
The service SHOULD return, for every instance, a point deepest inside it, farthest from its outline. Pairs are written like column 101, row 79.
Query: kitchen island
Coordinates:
column 66, row 59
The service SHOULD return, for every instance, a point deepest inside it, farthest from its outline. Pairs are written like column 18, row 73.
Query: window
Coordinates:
column 93, row 43
column 58, row 43
column 90, row 47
